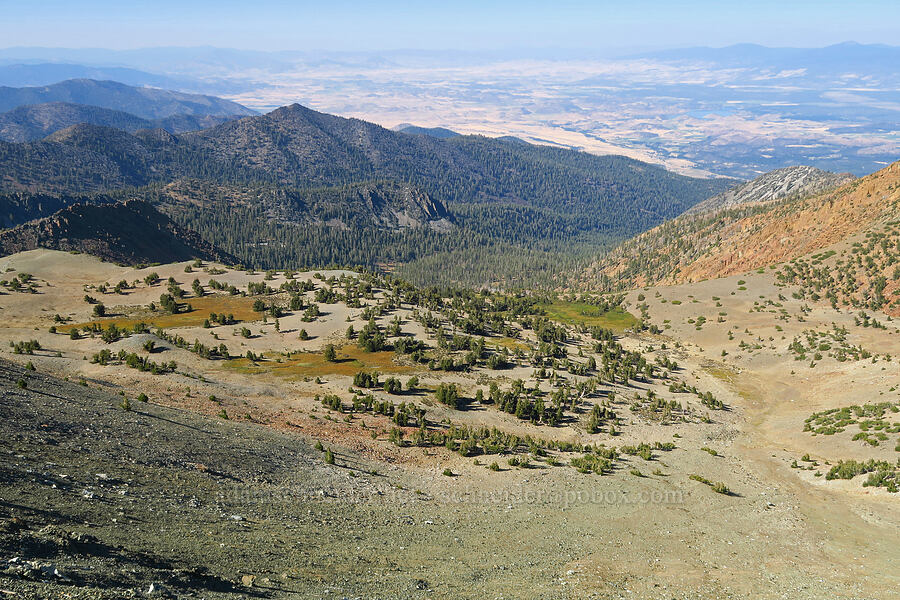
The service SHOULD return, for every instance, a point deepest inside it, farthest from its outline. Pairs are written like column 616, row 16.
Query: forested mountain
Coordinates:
column 17, row 208
column 298, row 147
column 296, row 187
column 130, row 232
column 437, row 132
column 35, row 121
column 842, row 244
column 144, row 102
column 775, row 185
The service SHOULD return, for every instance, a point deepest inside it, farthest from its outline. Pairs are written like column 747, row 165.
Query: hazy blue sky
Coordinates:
column 455, row 24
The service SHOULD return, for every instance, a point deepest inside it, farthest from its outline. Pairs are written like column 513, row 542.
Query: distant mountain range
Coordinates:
column 208, row 59
column 298, row 147
column 144, row 102
column 840, row 100
column 844, row 57
column 43, row 74
column 304, row 188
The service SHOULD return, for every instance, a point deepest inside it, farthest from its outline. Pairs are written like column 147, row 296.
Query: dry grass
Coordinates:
column 722, row 373
column 239, row 306
column 573, row 313
column 312, row 364
column 510, row 344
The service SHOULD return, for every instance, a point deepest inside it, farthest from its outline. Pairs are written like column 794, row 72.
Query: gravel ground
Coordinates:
column 101, row 502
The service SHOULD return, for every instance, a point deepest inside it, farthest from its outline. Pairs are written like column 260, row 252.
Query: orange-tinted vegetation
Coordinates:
column 350, row 359
column 239, row 306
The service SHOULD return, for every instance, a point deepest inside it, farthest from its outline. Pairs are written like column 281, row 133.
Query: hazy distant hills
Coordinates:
column 43, row 74
column 733, row 102
column 33, row 122
column 173, row 60
column 837, row 58
column 144, row 102
column 775, row 185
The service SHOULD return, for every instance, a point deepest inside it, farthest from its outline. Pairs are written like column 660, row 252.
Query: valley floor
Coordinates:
column 104, row 498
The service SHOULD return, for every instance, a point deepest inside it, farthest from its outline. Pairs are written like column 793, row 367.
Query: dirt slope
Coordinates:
column 737, row 240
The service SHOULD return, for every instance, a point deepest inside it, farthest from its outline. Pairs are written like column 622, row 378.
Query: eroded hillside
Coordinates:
column 765, row 235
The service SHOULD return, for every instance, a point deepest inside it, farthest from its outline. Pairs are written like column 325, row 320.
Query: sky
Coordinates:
column 351, row 25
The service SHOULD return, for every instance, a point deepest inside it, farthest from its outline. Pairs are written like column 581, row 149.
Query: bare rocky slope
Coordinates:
column 103, row 502
column 854, row 223
column 775, row 185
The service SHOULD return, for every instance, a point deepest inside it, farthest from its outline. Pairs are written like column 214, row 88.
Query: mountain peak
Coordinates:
column 80, row 132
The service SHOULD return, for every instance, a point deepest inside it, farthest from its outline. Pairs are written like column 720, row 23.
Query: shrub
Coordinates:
column 448, row 394
column 392, row 385
column 363, row 379
column 592, row 463
column 25, row 347
column 720, row 488
column 396, row 436
column 643, row 450
column 495, row 361
column 851, row 468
